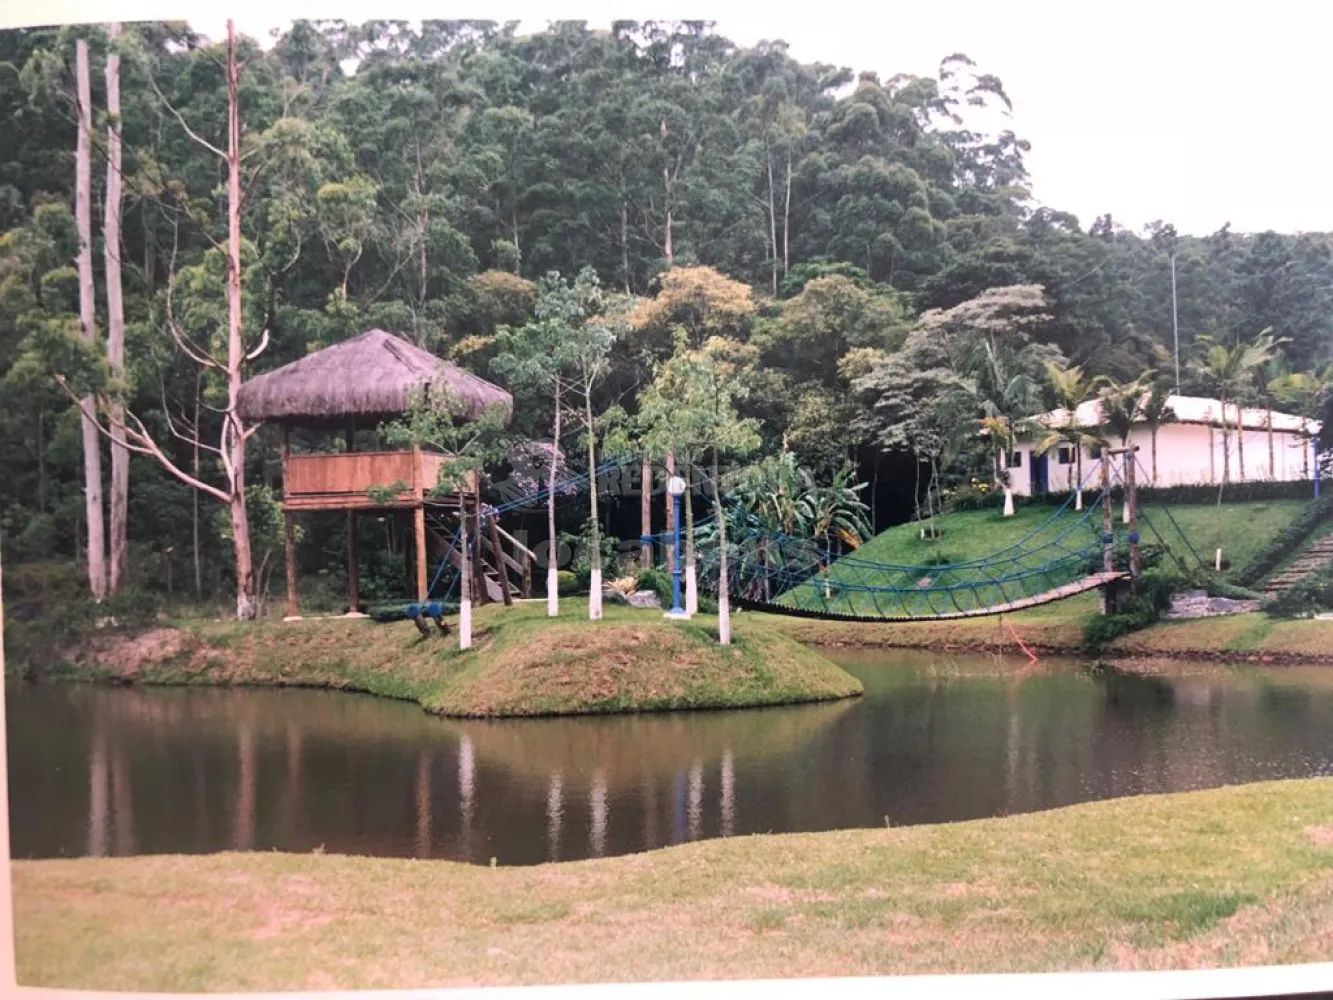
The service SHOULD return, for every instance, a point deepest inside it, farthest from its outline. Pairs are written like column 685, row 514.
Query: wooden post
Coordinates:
column 419, row 524
column 498, row 554
column 1108, row 538
column 289, row 551
column 289, row 532
column 353, row 591
column 1132, row 502
column 527, row 577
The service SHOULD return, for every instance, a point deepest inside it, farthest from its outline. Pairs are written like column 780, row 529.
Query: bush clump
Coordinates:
column 1143, row 608
column 1304, row 598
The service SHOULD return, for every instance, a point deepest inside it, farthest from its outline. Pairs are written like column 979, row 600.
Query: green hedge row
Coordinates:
column 1286, row 541
column 1297, row 489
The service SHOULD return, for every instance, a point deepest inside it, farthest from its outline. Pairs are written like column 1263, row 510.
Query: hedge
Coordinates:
column 1296, row 489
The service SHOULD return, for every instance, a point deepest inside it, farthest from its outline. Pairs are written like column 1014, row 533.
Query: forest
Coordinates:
column 872, row 274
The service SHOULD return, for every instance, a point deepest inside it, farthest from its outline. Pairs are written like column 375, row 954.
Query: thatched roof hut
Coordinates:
column 367, row 379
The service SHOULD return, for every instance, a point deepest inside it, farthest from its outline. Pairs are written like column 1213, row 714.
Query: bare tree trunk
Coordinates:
column 624, row 244
column 92, row 453
column 194, row 494
column 595, row 557
column 723, row 598
column 552, row 548
column 247, row 606
column 1272, row 462
column 772, row 214
column 786, row 221
column 1154, row 456
column 1240, row 442
column 1226, row 446
column 115, row 325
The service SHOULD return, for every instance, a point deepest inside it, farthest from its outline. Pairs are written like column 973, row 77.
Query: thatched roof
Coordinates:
column 368, row 377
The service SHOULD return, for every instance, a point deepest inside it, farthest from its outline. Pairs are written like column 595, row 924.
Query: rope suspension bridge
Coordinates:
column 1071, row 552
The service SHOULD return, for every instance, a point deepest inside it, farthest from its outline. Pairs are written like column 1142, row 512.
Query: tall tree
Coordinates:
column 115, row 310
column 92, row 445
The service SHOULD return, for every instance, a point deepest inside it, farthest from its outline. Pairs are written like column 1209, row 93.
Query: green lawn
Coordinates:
column 1235, row 876
column 988, row 559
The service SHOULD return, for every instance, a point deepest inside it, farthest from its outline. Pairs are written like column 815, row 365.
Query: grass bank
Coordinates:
column 1234, row 876
column 521, row 664
column 1031, row 552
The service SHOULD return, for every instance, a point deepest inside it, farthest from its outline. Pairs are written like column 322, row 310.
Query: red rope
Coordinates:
column 1031, row 655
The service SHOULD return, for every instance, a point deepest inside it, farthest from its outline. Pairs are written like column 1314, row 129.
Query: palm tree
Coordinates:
column 1305, row 392
column 1071, row 388
column 1229, row 372
column 1156, row 412
column 1122, row 407
column 1008, row 394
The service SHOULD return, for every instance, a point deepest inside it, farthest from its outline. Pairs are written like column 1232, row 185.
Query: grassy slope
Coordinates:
column 1234, row 876
column 1240, row 529
column 521, row 663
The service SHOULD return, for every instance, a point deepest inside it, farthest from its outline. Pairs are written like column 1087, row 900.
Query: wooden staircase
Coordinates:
column 498, row 575
column 1309, row 562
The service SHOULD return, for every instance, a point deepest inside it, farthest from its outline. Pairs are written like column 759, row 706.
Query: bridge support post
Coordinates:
column 1132, row 502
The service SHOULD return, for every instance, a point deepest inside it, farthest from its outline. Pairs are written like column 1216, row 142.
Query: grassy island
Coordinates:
column 521, row 663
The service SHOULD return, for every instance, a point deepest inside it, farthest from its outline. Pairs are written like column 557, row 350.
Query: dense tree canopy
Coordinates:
column 879, row 261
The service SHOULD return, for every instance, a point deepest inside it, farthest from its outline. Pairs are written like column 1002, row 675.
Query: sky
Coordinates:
column 1179, row 110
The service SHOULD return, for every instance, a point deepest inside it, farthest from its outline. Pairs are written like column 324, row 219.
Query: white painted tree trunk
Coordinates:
column 465, row 623
column 83, row 215
column 115, row 320
column 595, row 595
column 1008, row 501
column 552, row 546
column 691, row 590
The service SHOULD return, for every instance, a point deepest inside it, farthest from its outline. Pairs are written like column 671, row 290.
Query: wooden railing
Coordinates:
column 343, row 481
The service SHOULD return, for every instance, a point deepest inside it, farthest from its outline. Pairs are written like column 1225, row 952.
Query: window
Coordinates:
column 1015, row 460
column 1095, row 451
column 1066, row 455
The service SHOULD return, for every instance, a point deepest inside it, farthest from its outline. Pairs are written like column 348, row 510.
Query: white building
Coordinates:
column 1190, row 448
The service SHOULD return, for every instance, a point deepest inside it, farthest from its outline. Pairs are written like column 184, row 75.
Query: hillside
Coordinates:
column 985, row 558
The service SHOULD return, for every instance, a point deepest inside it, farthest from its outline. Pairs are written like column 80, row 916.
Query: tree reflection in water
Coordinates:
column 98, row 771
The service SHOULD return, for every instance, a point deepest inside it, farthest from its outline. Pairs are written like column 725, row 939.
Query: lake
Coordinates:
column 115, row 771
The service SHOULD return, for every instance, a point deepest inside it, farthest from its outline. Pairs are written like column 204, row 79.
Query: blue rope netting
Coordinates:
column 788, row 574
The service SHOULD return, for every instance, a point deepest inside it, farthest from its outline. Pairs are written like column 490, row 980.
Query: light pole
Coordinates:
column 676, row 488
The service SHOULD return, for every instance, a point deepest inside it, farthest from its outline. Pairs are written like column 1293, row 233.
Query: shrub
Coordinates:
column 1286, row 541
column 567, row 583
column 656, row 580
column 1140, row 610
column 1305, row 597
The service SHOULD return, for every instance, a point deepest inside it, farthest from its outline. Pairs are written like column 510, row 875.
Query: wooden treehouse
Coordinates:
column 352, row 388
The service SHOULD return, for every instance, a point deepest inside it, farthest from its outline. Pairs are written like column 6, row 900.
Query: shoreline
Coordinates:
column 1237, row 875
column 521, row 664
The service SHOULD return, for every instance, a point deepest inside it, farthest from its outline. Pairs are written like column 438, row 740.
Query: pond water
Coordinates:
column 116, row 771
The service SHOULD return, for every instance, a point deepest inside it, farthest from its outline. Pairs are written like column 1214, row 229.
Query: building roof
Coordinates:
column 1189, row 410
column 368, row 376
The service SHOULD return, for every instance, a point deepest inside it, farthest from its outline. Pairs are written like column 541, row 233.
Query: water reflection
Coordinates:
column 103, row 771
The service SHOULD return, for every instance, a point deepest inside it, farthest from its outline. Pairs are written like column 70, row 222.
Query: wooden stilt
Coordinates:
column 500, row 569
column 289, row 551
column 353, row 590
column 419, row 523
